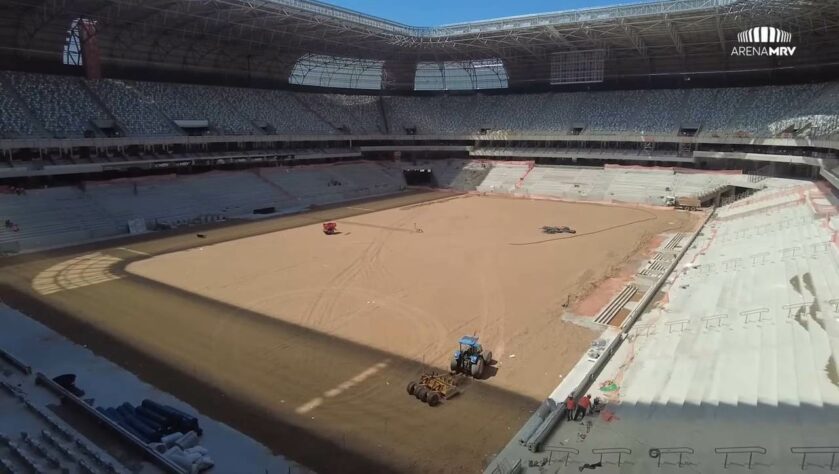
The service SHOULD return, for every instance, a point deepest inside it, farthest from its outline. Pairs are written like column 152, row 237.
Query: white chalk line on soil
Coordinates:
column 342, row 387
column 134, row 251
column 78, row 272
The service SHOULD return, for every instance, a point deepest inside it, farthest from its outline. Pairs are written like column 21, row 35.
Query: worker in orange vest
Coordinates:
column 569, row 408
column 583, row 407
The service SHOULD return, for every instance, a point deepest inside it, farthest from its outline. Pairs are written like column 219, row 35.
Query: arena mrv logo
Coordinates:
column 763, row 41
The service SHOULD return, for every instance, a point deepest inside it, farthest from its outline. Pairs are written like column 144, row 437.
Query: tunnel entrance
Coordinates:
column 418, row 177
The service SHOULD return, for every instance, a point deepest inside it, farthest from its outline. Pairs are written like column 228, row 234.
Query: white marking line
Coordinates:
column 85, row 270
column 310, row 405
column 134, row 251
column 341, row 388
column 361, row 209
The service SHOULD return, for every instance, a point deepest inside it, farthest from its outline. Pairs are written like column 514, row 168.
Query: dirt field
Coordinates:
column 351, row 319
column 384, row 284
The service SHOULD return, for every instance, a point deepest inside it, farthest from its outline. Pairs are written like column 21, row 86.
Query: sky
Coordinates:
column 442, row 12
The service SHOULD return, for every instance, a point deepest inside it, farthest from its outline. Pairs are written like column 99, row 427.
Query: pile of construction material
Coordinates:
column 540, row 425
column 165, row 429
column 550, row 229
column 597, row 348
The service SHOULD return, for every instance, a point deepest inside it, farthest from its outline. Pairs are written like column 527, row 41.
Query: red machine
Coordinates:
column 330, row 228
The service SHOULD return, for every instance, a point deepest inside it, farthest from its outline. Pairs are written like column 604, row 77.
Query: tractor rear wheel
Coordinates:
column 477, row 369
column 412, row 385
column 433, row 399
column 488, row 357
column 454, row 365
column 420, row 393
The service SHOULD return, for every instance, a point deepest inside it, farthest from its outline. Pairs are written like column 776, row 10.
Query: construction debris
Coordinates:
column 558, row 230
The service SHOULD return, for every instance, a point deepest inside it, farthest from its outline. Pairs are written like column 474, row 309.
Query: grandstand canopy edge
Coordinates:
column 673, row 43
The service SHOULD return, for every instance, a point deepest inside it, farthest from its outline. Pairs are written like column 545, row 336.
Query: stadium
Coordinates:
column 267, row 236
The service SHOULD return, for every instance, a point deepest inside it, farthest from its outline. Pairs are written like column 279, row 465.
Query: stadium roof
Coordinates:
column 266, row 38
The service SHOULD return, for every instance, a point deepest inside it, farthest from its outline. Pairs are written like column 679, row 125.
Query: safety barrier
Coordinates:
column 750, row 450
column 560, row 449
column 804, row 451
column 658, row 453
column 607, row 451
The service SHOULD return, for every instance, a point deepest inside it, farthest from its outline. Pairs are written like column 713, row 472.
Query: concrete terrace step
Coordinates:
column 707, row 365
column 808, row 382
column 684, row 367
column 769, row 366
column 749, row 378
column 730, row 372
column 611, row 310
column 659, row 372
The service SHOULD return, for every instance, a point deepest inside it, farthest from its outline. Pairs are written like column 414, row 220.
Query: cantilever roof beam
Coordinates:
column 635, row 39
column 559, row 38
column 674, row 35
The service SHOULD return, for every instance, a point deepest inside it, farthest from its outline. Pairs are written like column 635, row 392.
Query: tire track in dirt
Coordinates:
column 422, row 325
column 493, row 330
column 326, row 300
column 369, row 267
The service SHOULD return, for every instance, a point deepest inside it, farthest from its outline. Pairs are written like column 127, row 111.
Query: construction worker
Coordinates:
column 570, row 406
column 583, row 407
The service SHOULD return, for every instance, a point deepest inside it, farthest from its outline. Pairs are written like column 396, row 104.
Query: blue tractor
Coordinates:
column 470, row 358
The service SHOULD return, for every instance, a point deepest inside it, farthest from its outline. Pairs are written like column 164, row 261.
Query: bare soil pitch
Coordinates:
column 306, row 342
column 411, row 281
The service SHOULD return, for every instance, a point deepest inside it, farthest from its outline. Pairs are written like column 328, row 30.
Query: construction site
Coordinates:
column 322, row 333
column 287, row 237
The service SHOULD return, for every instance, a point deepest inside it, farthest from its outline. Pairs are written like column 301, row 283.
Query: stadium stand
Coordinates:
column 731, row 111
column 51, row 217
column 62, row 105
column 612, row 183
column 148, row 108
column 137, row 113
column 327, row 185
column 278, row 110
column 813, row 117
column 505, row 177
column 15, row 121
column 190, row 102
column 66, row 215
column 743, row 336
column 353, row 114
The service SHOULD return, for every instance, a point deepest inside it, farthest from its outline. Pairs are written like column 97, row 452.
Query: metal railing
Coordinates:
column 607, row 451
column 658, row 453
column 805, row 451
column 750, row 450
column 560, row 449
